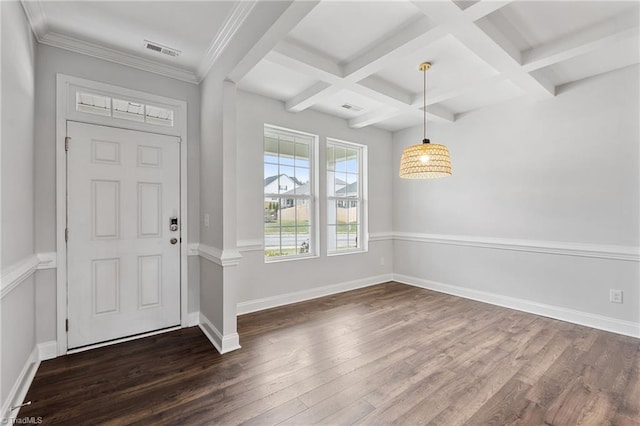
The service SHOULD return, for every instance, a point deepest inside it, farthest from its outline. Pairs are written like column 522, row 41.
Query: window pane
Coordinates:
column 93, row 104
column 331, row 165
column 287, row 178
column 271, row 150
column 351, row 190
column 160, row 116
column 304, row 240
column 128, row 110
column 352, row 161
column 331, row 238
column 302, row 180
column 288, row 240
column 286, row 153
column 341, row 184
column 270, row 178
column 302, row 155
column 331, row 183
column 340, row 158
column 352, row 239
column 344, row 170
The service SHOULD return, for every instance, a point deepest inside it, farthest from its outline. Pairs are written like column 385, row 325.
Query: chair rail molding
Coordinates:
column 601, row 251
column 229, row 257
column 14, row 275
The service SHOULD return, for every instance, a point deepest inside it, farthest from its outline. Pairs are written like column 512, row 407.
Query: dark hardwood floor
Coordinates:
column 384, row 354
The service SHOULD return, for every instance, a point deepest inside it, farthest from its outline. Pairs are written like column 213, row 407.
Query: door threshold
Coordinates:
column 122, row 340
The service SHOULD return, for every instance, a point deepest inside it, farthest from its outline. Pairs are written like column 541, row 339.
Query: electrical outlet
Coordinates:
column 382, row 261
column 206, row 220
column 615, row 296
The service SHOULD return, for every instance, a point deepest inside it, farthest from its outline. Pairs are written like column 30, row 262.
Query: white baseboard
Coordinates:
column 600, row 322
column 21, row 386
column 48, row 350
column 193, row 319
column 223, row 344
column 300, row 296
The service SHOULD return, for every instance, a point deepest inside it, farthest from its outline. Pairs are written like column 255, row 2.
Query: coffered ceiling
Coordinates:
column 365, row 54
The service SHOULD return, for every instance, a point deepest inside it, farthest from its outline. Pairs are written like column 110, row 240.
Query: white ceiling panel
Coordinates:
column 532, row 23
column 275, row 81
column 400, row 122
column 453, row 65
column 124, row 26
column 333, row 104
column 341, row 30
column 604, row 59
column 483, row 96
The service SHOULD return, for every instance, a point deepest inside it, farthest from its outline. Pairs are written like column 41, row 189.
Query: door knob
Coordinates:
column 173, row 240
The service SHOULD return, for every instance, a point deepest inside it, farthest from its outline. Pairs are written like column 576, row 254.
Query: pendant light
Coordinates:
column 426, row 160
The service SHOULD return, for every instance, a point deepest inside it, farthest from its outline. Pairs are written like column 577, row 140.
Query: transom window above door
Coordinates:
column 93, row 103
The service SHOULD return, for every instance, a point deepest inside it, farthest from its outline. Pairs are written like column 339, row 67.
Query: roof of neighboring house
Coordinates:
column 270, row 179
column 302, row 189
column 349, row 189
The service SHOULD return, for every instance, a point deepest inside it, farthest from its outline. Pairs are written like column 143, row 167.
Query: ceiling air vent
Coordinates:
column 353, row 108
column 156, row 47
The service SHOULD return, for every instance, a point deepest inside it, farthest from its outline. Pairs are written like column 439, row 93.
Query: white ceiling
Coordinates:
column 366, row 53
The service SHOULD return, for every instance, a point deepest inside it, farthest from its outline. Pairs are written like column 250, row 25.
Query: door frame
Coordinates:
column 66, row 88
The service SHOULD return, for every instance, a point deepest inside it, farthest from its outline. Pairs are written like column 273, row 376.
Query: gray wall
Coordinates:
column 17, row 307
column 51, row 60
column 259, row 280
column 562, row 170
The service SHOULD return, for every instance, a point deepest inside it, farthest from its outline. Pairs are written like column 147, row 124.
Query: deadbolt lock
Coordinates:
column 173, row 224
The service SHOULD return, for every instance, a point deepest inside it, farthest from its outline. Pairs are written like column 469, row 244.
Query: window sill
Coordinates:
column 345, row 252
column 289, row 258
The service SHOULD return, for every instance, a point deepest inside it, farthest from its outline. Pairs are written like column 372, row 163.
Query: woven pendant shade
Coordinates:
column 425, row 161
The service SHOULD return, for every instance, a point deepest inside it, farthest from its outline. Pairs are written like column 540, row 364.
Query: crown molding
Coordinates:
column 111, row 55
column 230, row 27
column 38, row 22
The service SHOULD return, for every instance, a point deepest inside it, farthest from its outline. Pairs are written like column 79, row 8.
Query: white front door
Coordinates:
column 123, row 258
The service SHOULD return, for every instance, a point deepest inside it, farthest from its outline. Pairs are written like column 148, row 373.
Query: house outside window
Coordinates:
column 290, row 217
column 346, row 197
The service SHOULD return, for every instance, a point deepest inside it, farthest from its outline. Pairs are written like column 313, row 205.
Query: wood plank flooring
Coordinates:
column 385, row 354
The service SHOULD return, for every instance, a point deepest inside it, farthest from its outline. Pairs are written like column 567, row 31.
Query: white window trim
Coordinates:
column 66, row 88
column 363, row 233
column 314, row 223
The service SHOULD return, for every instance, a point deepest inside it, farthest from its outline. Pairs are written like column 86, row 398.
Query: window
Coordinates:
column 289, row 194
column 92, row 103
column 346, row 197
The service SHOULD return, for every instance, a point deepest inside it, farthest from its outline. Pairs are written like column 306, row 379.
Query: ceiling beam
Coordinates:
column 436, row 112
column 500, row 56
column 373, row 117
column 605, row 33
column 283, row 24
column 392, row 47
column 307, row 61
column 311, row 96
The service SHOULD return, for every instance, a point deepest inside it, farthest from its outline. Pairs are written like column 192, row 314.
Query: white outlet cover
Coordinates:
column 615, row 296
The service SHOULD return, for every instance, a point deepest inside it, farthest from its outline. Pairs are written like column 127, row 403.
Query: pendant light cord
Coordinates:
column 424, row 105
